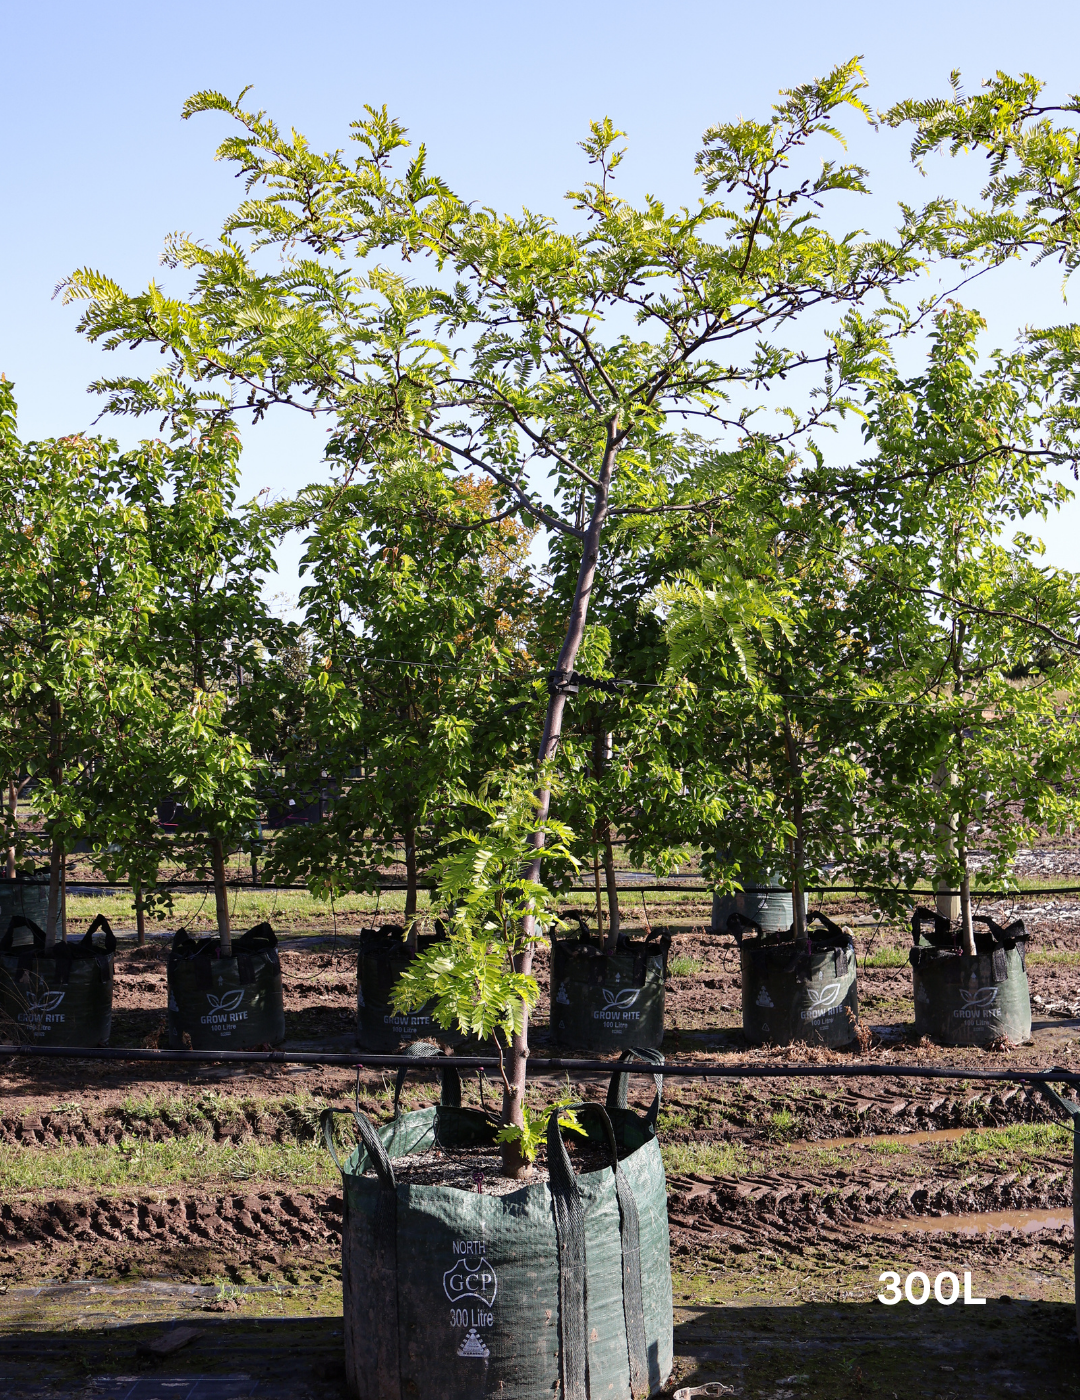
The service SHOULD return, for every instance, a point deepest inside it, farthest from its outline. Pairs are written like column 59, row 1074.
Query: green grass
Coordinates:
column 684, row 966
column 887, row 957
column 781, row 1125
column 191, row 1161
column 705, row 1158
column 1030, row 1139
column 1060, row 956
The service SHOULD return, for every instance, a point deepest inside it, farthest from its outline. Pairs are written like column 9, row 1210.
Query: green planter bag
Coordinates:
column 381, row 960
column 790, row 996
column 27, row 896
column 607, row 1001
column 60, row 997
column 965, row 1000
column 561, row 1288
column 231, row 1003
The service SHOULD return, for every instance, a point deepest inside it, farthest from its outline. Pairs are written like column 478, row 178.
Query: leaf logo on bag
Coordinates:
column 42, row 1002
column 619, row 1001
column 824, row 996
column 228, row 1001
column 981, row 996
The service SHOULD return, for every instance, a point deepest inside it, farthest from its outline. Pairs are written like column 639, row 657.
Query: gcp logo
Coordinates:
column 471, row 1277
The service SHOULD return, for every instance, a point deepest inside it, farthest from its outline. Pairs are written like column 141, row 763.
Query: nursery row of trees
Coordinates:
column 779, row 645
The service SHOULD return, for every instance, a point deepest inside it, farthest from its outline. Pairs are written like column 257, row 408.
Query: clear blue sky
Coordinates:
column 98, row 166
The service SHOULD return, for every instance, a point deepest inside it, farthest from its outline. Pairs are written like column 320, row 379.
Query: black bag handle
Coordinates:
column 619, row 1082
column 257, row 938
column 827, row 924
column 100, row 921
column 921, row 915
column 1008, row 937
column 21, row 921
column 450, row 1096
column 570, row 1235
column 738, row 923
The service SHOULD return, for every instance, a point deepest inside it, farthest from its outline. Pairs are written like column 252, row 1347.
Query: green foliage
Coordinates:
column 496, row 913
column 531, row 1134
column 413, row 612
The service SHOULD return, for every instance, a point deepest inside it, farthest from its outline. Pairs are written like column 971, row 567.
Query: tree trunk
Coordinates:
column 221, row 896
column 967, row 934
column 56, row 849
column 13, row 810
column 967, row 930
column 140, row 918
column 514, row 1095
column 612, row 941
column 596, row 889
column 798, row 845
column 947, row 904
column 601, row 754
column 412, row 926
column 52, row 916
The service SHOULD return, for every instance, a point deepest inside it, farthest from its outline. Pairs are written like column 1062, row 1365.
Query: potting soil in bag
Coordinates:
column 606, row 1001
column 966, row 1000
column 59, row 997
column 792, row 994
column 558, row 1288
column 231, row 1003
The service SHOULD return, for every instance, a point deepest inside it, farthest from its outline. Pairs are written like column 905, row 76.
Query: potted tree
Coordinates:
column 77, row 589
column 585, row 352
column 986, row 661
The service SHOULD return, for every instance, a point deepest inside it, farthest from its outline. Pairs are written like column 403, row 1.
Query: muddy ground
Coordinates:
column 134, row 1199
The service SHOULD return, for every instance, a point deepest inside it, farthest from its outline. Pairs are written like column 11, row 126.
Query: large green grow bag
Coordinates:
column 965, row 1000
column 28, row 897
column 810, row 996
column 382, row 958
column 561, row 1288
column 232, row 1003
column 606, row 1001
column 60, row 997
column 762, row 902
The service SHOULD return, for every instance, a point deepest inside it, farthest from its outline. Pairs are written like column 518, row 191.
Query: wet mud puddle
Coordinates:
column 1025, row 1222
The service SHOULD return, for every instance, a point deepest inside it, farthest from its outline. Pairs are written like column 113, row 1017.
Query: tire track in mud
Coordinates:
column 794, row 1210
column 232, row 1224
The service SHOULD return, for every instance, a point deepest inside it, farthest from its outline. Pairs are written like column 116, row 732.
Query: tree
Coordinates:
column 78, row 589
column 779, row 634
column 414, row 608
column 211, row 639
column 984, row 657
column 583, row 350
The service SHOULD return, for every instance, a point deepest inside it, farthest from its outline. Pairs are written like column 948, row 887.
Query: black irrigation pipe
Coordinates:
column 854, row 1070
column 582, row 889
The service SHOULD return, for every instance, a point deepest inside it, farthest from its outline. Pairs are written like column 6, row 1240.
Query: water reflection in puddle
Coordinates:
column 1025, row 1222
